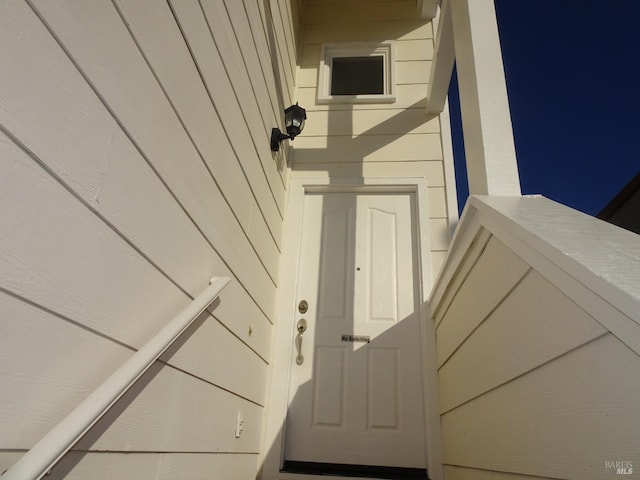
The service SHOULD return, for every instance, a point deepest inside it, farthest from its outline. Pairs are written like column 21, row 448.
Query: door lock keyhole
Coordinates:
column 303, row 306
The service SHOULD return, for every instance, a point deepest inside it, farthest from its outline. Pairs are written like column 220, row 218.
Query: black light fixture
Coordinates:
column 294, row 118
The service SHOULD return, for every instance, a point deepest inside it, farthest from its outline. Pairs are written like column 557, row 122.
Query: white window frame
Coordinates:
column 329, row 51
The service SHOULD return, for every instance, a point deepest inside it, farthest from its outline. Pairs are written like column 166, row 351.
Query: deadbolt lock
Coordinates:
column 303, row 306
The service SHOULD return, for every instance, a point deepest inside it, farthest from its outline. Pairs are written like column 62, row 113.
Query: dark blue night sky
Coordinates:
column 572, row 69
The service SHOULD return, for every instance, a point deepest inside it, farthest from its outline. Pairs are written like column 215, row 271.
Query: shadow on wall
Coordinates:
column 353, row 402
column 71, row 460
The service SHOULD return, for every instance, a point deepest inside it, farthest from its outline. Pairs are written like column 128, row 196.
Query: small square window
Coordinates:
column 356, row 73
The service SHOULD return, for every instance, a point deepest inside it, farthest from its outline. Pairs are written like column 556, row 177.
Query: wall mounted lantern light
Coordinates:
column 294, row 118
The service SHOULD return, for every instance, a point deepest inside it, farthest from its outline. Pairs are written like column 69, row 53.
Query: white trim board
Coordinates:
column 596, row 264
column 277, row 397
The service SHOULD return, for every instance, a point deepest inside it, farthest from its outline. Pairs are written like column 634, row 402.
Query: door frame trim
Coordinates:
column 272, row 452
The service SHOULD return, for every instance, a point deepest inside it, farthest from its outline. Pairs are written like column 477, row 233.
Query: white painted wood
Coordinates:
column 431, row 170
column 315, row 34
column 47, row 451
column 564, row 256
column 384, row 50
column 539, row 324
column 261, row 43
column 443, row 60
column 40, row 384
column 586, row 399
column 412, row 72
column 272, row 16
column 85, row 249
column 566, row 247
column 438, row 258
column 130, row 90
column 141, row 208
column 462, row 473
column 412, row 50
column 602, row 256
column 477, row 297
column 486, row 122
column 370, row 148
column 284, row 10
column 407, row 96
column 161, row 466
column 350, row 402
column 419, row 50
column 449, row 281
column 169, row 411
column 40, row 391
column 210, row 65
column 354, row 11
column 265, row 97
column 286, row 91
column 439, row 234
column 263, row 39
column 284, row 345
column 369, row 122
column 221, row 29
column 428, row 8
column 449, row 168
column 194, row 466
column 157, row 33
column 437, row 202
column 244, row 36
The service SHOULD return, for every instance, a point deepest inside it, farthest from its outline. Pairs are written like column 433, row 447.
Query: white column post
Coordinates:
column 486, row 122
column 443, row 59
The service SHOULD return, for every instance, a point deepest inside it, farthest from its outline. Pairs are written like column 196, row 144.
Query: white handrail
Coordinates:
column 35, row 464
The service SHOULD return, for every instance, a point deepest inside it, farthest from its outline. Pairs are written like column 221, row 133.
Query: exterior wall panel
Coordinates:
column 531, row 384
column 135, row 165
column 397, row 139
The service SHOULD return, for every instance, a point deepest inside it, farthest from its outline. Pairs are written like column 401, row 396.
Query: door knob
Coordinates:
column 302, row 326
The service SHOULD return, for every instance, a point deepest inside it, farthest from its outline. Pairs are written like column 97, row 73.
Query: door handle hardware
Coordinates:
column 303, row 306
column 301, row 327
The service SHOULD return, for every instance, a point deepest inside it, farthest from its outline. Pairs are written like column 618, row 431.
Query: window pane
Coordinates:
column 357, row 75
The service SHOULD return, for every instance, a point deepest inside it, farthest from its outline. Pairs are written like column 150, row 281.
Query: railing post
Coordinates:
column 486, row 122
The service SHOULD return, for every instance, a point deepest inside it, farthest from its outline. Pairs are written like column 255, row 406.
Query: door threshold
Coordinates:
column 354, row 471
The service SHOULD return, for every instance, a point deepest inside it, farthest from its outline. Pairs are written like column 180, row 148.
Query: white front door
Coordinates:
column 357, row 398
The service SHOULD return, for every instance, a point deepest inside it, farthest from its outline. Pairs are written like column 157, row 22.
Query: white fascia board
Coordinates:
column 594, row 263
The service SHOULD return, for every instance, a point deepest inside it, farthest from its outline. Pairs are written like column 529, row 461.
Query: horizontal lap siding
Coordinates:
column 374, row 140
column 135, row 165
column 530, row 384
column 159, row 466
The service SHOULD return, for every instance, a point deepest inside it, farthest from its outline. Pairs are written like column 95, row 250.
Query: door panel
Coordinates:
column 357, row 398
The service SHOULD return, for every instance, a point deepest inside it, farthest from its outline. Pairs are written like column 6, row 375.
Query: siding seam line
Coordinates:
column 224, row 127
column 253, row 141
column 526, row 475
column 110, row 226
column 249, row 76
column 186, row 131
column 108, row 338
column 551, row 360
column 134, row 143
column 488, row 315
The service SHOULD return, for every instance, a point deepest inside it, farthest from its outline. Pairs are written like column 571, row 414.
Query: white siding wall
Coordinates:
column 538, row 374
column 135, row 164
column 374, row 140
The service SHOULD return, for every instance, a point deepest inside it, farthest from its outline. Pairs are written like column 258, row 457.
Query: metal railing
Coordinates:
column 38, row 461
